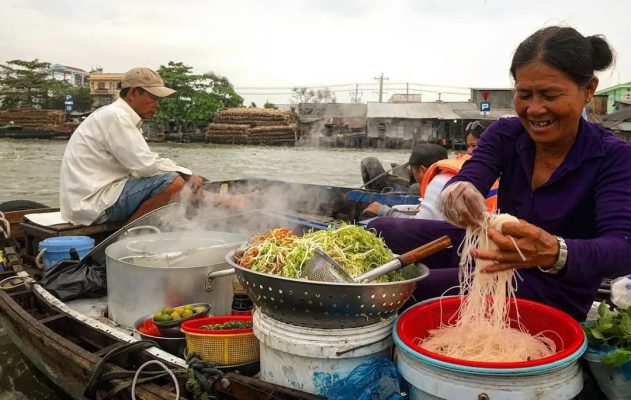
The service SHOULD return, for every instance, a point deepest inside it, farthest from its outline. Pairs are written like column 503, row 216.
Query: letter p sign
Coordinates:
column 485, row 106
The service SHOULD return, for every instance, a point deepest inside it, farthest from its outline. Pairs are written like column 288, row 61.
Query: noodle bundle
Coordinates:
column 482, row 331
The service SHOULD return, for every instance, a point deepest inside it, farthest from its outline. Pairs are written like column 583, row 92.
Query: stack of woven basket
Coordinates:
column 252, row 126
column 33, row 118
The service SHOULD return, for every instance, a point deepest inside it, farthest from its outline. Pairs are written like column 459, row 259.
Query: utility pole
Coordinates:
column 381, row 78
column 356, row 97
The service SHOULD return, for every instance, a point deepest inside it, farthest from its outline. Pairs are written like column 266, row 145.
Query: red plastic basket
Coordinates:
column 415, row 323
column 192, row 326
column 223, row 346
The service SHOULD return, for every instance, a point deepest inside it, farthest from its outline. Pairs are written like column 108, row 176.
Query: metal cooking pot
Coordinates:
column 325, row 304
column 149, row 272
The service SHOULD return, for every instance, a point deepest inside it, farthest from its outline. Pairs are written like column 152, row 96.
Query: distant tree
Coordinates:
column 252, row 105
column 197, row 97
column 304, row 95
column 270, row 105
column 224, row 90
column 82, row 99
column 27, row 84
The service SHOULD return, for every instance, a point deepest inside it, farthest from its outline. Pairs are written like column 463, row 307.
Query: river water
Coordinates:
column 29, row 170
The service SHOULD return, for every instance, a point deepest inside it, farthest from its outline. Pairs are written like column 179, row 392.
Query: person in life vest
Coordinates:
column 439, row 173
column 432, row 179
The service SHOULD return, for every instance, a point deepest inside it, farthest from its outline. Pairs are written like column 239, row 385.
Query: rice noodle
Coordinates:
column 482, row 330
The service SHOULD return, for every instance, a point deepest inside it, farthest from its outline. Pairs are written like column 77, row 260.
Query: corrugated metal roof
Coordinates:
column 331, row 110
column 493, row 115
column 413, row 110
column 617, row 121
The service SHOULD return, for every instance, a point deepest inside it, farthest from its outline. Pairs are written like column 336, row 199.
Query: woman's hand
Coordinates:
column 538, row 247
column 462, row 204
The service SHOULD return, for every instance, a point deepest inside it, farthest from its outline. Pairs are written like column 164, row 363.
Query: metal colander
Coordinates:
column 328, row 305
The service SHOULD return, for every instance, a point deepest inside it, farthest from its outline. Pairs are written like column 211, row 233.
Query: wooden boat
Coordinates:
column 68, row 343
column 17, row 132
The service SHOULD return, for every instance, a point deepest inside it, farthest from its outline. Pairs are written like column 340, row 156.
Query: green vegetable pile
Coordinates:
column 611, row 330
column 356, row 249
column 228, row 325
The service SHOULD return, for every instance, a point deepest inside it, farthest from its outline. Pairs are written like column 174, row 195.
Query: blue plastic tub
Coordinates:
column 58, row 248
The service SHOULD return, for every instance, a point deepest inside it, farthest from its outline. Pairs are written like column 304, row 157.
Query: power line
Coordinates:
column 347, row 85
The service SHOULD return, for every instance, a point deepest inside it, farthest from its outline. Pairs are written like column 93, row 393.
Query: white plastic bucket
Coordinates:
column 311, row 359
column 428, row 382
column 612, row 381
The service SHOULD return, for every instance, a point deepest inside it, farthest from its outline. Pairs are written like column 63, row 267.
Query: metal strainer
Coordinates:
column 327, row 304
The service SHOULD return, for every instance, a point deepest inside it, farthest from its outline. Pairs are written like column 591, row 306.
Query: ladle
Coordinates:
column 321, row 267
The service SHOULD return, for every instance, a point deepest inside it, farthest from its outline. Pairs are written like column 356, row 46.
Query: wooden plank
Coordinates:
column 68, row 229
column 15, row 218
column 51, row 318
column 238, row 386
column 65, row 363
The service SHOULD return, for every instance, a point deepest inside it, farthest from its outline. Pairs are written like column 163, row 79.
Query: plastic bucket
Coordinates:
column 416, row 322
column 55, row 249
column 311, row 359
column 427, row 381
column 615, row 382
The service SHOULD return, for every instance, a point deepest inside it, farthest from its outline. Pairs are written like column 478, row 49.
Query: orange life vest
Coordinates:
column 453, row 166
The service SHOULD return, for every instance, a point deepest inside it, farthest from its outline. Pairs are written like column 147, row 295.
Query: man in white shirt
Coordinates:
column 108, row 172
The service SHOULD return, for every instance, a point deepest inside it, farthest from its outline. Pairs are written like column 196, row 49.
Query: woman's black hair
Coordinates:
column 474, row 128
column 566, row 49
column 473, row 133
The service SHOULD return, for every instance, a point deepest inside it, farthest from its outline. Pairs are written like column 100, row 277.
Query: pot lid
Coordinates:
column 151, row 221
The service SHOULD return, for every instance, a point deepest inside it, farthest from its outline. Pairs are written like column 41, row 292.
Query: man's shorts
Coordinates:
column 135, row 192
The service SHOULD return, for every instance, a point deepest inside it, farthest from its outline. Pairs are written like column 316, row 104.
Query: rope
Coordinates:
column 6, row 231
column 201, row 375
column 98, row 377
column 161, row 364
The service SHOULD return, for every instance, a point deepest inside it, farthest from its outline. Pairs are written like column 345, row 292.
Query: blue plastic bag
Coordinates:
column 376, row 379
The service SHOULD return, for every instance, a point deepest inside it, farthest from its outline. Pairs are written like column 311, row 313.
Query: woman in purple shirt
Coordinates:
column 567, row 180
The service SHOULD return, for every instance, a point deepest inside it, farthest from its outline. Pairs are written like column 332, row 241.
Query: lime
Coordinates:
column 157, row 315
column 187, row 313
column 165, row 318
column 198, row 310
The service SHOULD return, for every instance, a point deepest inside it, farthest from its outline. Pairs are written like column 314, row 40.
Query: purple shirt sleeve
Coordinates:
column 587, row 200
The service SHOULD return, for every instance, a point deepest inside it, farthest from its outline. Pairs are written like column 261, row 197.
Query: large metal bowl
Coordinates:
column 175, row 345
column 327, row 304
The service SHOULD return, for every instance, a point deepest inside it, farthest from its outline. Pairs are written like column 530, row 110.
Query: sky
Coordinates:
column 267, row 47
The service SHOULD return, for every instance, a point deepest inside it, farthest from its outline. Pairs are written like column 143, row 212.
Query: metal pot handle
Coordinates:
column 211, row 276
column 137, row 228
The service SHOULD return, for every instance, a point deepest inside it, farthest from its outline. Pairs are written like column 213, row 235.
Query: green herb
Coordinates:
column 228, row 325
column 611, row 329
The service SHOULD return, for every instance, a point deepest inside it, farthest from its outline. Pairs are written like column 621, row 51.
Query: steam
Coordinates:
column 256, row 207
